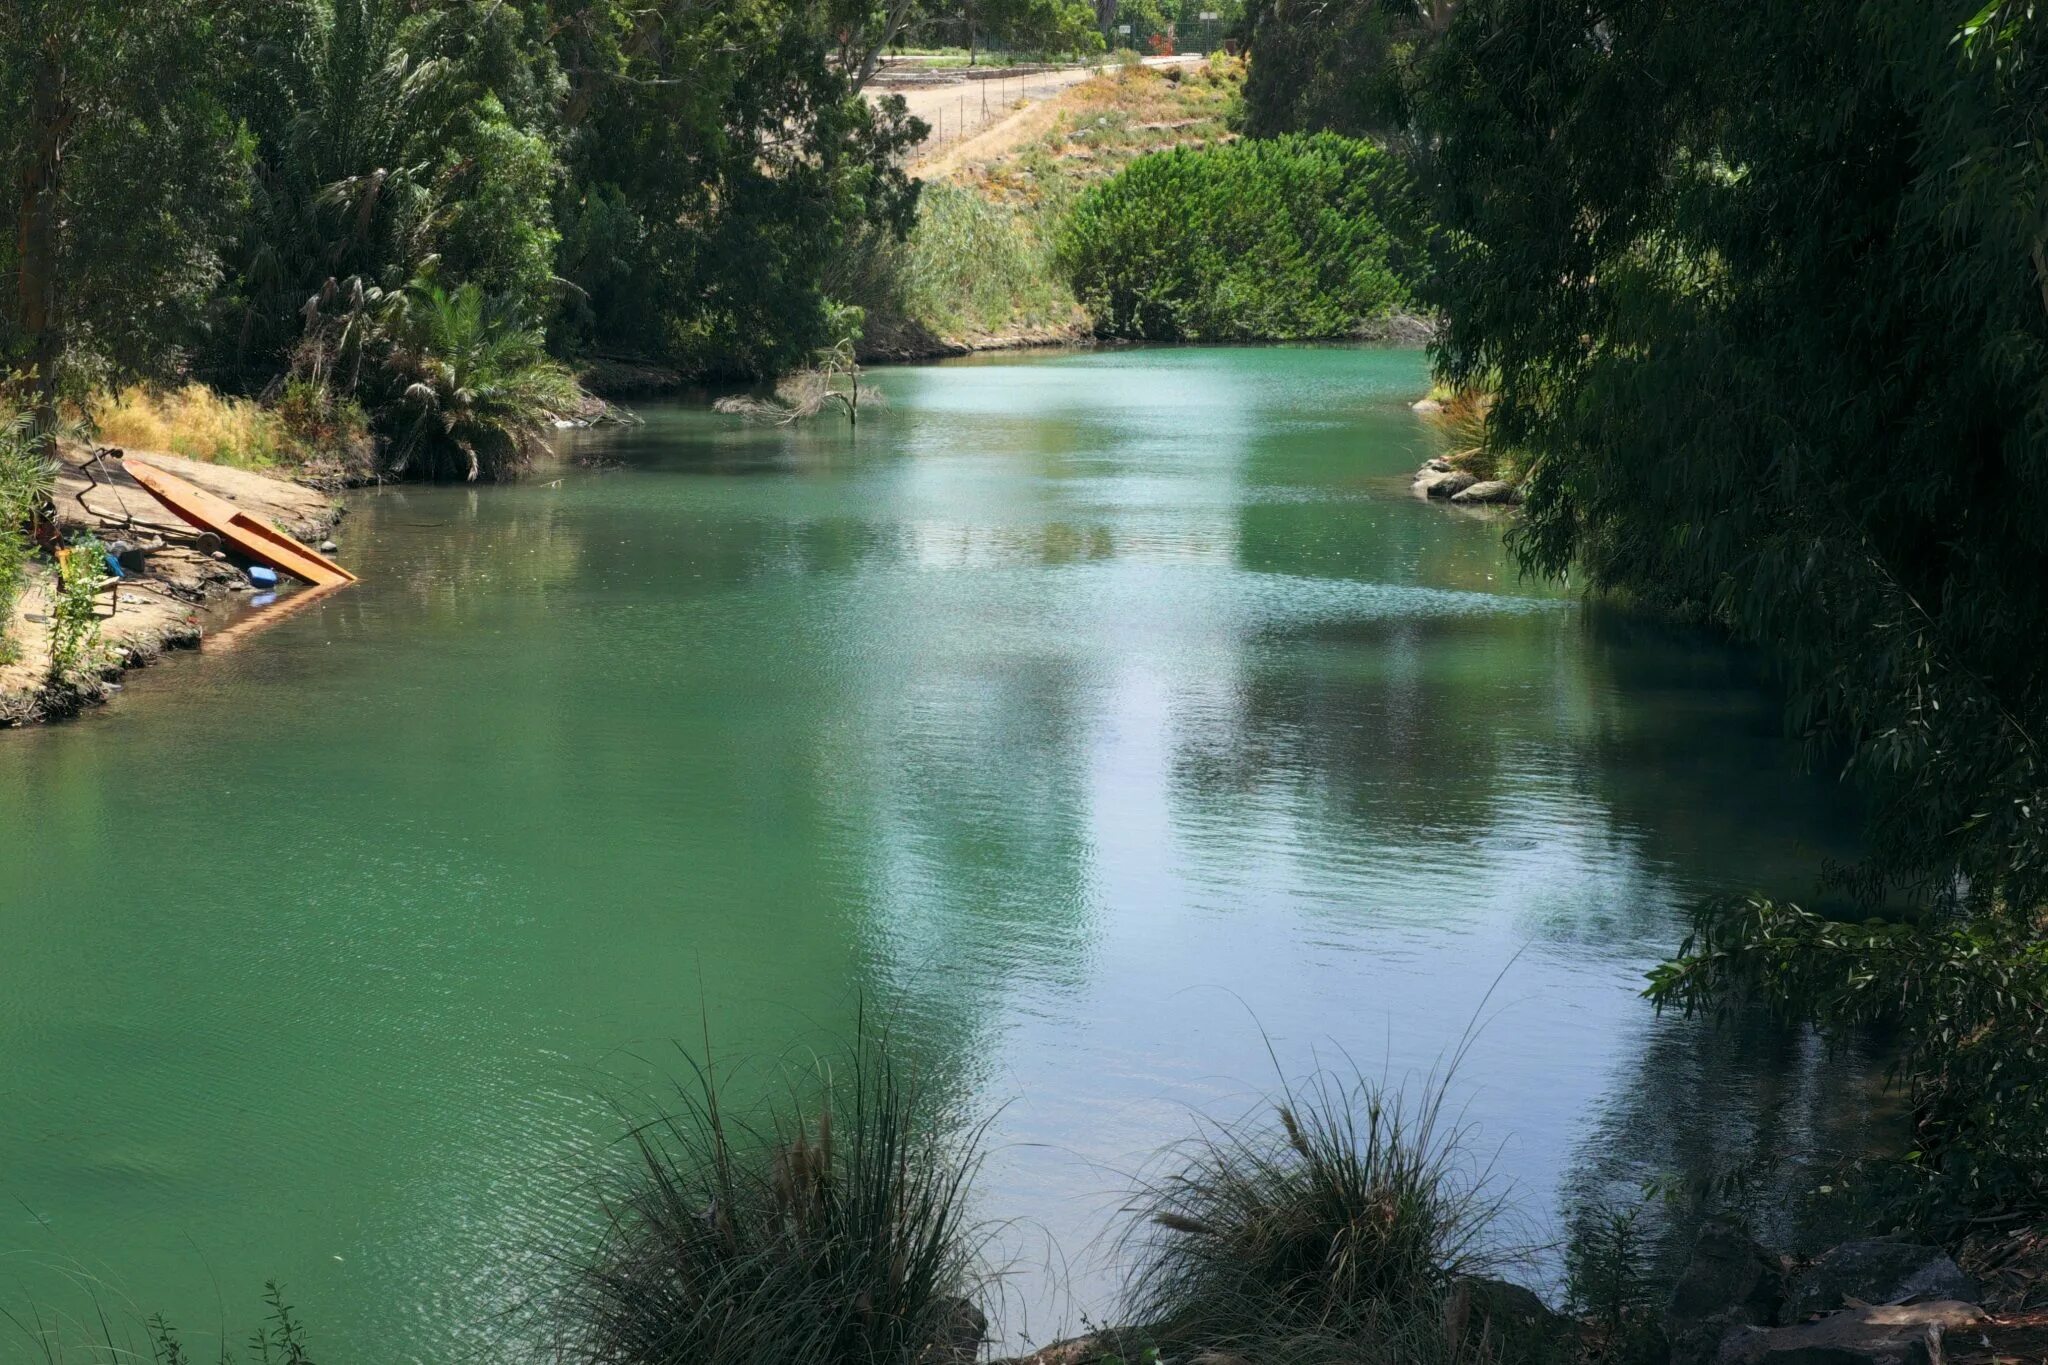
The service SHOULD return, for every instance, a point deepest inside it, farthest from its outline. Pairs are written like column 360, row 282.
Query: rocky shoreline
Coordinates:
column 1438, row 478
column 180, row 593
column 1876, row 1301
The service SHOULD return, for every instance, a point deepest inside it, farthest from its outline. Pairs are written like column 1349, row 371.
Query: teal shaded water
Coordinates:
column 1101, row 717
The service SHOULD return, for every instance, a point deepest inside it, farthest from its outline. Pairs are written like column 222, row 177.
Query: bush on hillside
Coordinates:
column 1275, row 240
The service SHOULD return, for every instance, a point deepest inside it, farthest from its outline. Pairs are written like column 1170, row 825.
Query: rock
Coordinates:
column 966, row 1328
column 1426, row 406
column 1435, row 464
column 328, row 547
column 1443, row 483
column 1876, row 1272
column 1073, row 1351
column 1730, row 1282
column 1503, row 1314
column 1888, row 1334
column 1488, row 490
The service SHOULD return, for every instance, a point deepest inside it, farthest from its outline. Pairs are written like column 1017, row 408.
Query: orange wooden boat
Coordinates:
column 242, row 531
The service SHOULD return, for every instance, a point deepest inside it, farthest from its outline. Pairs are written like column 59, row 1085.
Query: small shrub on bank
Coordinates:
column 14, row 551
column 75, row 619
column 832, row 1230
column 1469, row 442
column 327, row 427
column 1339, row 1228
column 1272, row 240
column 27, row 478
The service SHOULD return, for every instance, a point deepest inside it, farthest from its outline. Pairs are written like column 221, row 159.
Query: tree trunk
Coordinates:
column 37, row 222
column 894, row 17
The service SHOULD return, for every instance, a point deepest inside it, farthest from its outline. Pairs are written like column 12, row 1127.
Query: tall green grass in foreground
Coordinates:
column 1347, row 1224
column 828, row 1228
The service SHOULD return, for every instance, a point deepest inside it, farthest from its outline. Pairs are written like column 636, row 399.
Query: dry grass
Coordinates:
column 193, row 421
column 1102, row 124
column 978, row 265
column 1469, row 445
column 309, row 432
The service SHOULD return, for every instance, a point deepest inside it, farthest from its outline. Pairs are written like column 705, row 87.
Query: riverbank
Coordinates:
column 978, row 272
column 183, row 590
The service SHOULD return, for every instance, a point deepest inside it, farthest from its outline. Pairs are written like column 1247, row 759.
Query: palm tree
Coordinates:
column 348, row 142
column 480, row 391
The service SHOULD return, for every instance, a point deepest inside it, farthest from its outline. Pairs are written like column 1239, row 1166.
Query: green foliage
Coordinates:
column 1782, row 419
column 1345, row 68
column 1763, row 295
column 1050, row 26
column 479, row 392
column 75, row 617
column 832, row 1230
column 1965, row 999
column 14, row 555
column 1338, row 1230
column 974, row 265
column 28, row 476
column 1277, row 240
column 718, row 164
column 262, row 215
column 122, row 184
column 388, row 145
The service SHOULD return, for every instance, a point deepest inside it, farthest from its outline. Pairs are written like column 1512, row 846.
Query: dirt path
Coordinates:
column 169, row 604
column 959, row 108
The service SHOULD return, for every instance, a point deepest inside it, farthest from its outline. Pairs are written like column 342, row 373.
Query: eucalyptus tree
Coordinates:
column 1763, row 293
column 125, row 168
column 718, row 159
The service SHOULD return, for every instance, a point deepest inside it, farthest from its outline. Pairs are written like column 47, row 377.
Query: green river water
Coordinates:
column 1102, row 718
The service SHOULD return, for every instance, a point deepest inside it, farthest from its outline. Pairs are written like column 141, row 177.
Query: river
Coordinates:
column 1103, row 719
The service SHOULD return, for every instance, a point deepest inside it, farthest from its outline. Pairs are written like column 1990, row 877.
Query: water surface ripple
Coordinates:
column 1105, row 716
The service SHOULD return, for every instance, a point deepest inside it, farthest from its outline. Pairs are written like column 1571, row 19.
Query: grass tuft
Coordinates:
column 829, row 1229
column 1337, row 1225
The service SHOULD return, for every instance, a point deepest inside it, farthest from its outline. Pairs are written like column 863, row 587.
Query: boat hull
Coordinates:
column 244, row 532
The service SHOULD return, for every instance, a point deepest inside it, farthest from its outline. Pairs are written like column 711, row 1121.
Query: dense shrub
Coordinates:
column 1760, row 292
column 1269, row 240
column 25, row 482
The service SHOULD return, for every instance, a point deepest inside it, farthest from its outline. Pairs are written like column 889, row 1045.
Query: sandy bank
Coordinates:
column 183, row 591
